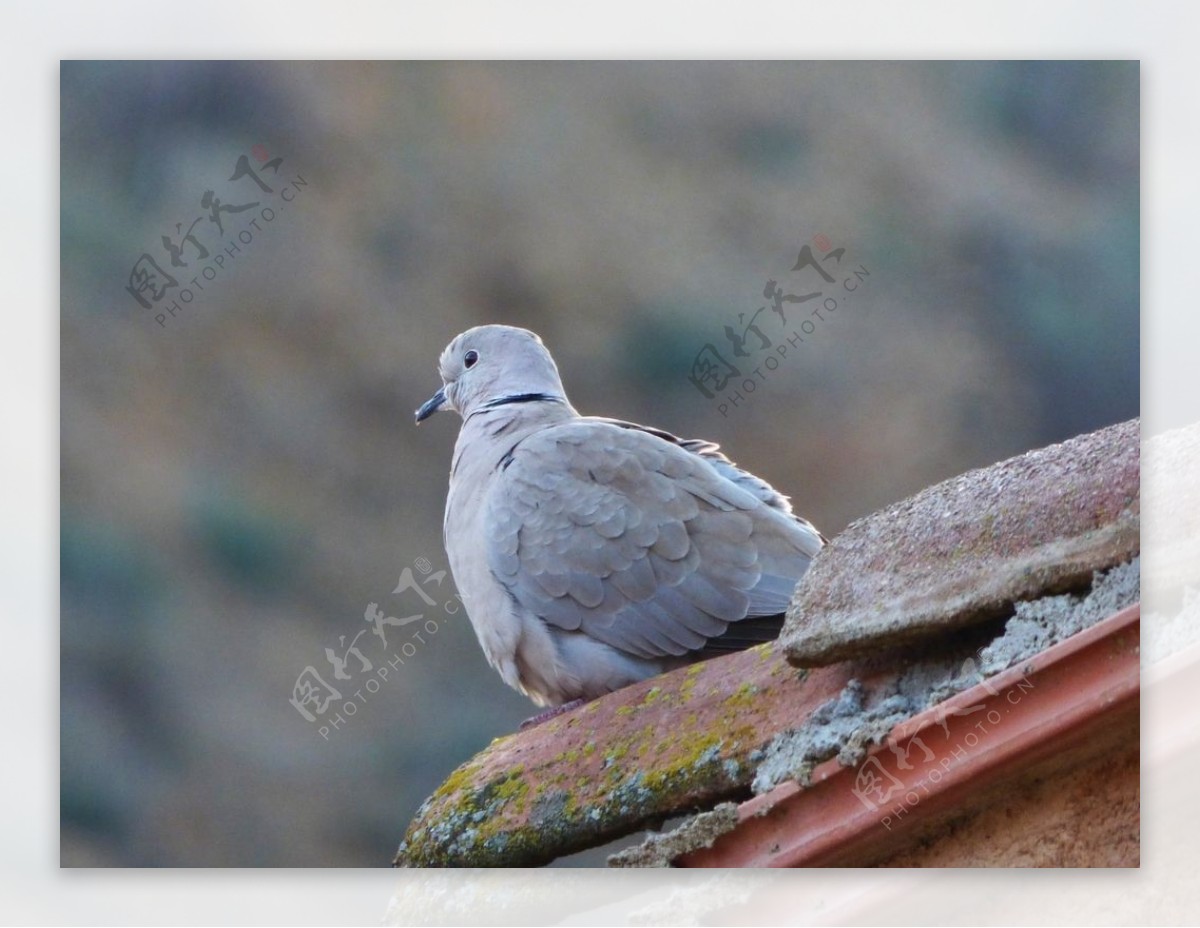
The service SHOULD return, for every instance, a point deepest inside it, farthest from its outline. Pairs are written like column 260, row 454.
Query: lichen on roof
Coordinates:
column 652, row 750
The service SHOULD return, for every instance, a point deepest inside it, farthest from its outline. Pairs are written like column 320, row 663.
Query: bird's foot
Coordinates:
column 551, row 713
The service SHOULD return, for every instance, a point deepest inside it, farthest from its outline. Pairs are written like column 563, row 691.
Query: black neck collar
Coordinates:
column 517, row 398
column 521, row 398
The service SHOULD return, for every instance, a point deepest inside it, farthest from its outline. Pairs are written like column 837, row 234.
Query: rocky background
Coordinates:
column 241, row 482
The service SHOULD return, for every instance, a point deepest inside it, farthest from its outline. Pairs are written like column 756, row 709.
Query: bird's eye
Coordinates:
column 470, row 358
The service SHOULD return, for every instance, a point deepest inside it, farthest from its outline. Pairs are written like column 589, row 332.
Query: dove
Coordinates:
column 592, row 553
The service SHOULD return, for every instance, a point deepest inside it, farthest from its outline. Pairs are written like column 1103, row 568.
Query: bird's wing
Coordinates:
column 711, row 452
column 636, row 540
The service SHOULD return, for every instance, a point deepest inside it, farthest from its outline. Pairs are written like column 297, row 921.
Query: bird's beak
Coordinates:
column 432, row 405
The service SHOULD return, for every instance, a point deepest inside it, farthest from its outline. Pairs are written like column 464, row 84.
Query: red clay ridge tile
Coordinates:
column 964, row 550
column 662, row 747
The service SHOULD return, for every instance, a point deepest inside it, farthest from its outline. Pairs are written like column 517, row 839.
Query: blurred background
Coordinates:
column 241, row 482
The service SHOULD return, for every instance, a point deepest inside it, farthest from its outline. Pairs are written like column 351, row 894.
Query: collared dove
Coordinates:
column 593, row 553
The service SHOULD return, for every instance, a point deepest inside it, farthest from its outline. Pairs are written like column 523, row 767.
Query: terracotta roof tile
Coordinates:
column 966, row 549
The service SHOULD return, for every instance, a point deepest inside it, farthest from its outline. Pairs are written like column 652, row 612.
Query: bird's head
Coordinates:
column 490, row 365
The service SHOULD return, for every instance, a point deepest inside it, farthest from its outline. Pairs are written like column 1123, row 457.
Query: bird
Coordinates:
column 593, row 553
